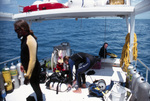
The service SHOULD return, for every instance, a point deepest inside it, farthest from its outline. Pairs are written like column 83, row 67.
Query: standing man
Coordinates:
column 29, row 59
column 86, row 61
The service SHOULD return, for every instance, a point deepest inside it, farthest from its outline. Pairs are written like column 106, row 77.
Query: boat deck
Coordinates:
column 106, row 73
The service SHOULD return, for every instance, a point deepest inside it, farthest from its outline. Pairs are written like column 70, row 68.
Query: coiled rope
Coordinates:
column 125, row 57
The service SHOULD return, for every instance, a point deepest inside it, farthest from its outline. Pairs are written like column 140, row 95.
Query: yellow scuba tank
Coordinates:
column 2, row 88
column 7, row 79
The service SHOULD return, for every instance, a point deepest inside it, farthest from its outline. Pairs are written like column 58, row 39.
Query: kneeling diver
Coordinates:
column 87, row 61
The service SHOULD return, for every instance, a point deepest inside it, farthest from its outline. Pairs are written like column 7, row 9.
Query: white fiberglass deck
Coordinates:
column 106, row 73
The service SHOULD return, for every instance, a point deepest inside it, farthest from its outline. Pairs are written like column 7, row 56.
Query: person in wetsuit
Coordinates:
column 103, row 51
column 82, row 62
column 29, row 59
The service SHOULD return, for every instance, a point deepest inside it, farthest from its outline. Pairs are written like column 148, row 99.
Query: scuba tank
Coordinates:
column 2, row 88
column 136, row 90
column 21, row 74
column 134, row 78
column 143, row 93
column 61, row 87
column 7, row 79
column 128, row 79
column 14, row 75
column 132, row 72
column 128, row 71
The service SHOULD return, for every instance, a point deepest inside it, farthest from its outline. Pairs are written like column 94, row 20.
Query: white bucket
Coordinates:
column 118, row 93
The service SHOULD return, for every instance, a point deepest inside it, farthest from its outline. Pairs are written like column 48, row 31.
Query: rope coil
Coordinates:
column 125, row 56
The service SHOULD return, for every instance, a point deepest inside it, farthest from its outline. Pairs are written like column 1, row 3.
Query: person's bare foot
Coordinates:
column 78, row 90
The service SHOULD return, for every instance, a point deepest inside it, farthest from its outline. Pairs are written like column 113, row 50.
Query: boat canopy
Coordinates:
column 108, row 10
column 123, row 10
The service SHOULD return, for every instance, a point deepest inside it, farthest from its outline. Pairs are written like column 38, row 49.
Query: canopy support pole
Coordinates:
column 128, row 2
column 128, row 24
column 132, row 31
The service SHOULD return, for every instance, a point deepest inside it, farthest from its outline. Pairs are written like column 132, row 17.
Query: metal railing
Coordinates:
column 9, row 60
column 147, row 68
column 20, row 9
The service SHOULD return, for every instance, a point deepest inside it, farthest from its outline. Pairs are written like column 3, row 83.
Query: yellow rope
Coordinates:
column 135, row 51
column 125, row 57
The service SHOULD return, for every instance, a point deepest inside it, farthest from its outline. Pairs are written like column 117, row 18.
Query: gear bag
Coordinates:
column 97, row 87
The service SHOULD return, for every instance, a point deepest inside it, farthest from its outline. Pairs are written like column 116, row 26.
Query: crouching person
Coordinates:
column 86, row 61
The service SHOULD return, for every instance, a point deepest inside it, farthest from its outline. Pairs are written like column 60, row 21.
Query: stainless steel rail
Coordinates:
column 9, row 60
column 147, row 68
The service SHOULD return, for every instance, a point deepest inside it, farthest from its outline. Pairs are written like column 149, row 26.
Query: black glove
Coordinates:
column 26, row 81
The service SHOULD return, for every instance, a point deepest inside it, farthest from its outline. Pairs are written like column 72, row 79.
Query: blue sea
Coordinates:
column 84, row 35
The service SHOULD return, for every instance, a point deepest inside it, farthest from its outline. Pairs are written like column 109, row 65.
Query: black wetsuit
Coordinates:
column 103, row 52
column 30, row 63
column 87, row 62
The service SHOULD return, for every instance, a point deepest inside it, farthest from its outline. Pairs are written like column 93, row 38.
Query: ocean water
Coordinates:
column 84, row 35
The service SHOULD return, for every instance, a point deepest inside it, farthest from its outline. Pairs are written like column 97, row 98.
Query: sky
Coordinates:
column 12, row 6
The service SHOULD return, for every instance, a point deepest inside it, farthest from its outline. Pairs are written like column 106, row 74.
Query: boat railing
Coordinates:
column 109, row 2
column 20, row 9
column 147, row 68
column 10, row 60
